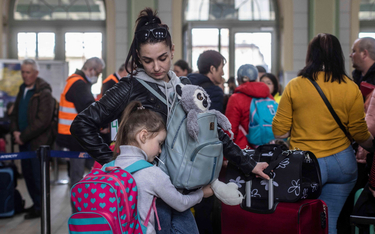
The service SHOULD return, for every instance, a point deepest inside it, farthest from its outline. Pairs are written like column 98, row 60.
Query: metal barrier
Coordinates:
column 44, row 154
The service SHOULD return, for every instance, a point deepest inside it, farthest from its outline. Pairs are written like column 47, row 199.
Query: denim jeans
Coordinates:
column 31, row 173
column 172, row 221
column 339, row 175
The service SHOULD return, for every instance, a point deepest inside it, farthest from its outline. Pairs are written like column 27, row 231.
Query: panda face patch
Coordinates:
column 200, row 100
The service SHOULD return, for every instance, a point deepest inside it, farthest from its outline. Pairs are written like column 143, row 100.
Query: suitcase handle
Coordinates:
column 271, row 199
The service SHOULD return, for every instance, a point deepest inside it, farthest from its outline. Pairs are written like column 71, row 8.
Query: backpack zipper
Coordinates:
column 121, row 187
column 175, row 136
column 194, row 154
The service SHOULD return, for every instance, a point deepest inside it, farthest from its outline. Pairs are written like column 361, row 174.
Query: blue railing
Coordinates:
column 44, row 153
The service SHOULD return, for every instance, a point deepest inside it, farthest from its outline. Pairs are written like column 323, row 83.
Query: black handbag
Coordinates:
column 295, row 173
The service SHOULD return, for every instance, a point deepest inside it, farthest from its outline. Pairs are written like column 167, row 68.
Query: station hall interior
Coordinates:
column 62, row 34
column 271, row 33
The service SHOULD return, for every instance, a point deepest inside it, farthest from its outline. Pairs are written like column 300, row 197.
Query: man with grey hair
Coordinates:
column 32, row 126
column 76, row 97
column 363, row 60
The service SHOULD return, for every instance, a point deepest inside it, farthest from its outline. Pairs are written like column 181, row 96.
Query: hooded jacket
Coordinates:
column 85, row 126
column 238, row 108
column 39, row 116
column 215, row 92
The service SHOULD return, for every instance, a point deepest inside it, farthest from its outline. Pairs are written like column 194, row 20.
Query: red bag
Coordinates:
column 366, row 88
column 302, row 217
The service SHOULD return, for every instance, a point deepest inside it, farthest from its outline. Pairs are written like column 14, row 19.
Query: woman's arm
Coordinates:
column 283, row 136
column 282, row 122
column 367, row 144
column 85, row 127
column 239, row 157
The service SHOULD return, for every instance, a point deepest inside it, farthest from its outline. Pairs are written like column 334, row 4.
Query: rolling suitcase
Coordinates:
column 6, row 192
column 301, row 217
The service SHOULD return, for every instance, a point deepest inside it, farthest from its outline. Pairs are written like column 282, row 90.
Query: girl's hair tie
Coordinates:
column 140, row 108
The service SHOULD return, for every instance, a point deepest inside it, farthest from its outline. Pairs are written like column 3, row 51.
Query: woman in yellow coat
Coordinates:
column 303, row 115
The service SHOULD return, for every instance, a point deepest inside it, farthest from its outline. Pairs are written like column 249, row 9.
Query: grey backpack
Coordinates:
column 190, row 163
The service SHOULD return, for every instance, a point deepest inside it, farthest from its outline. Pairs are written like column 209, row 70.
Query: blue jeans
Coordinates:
column 339, row 175
column 172, row 221
column 31, row 173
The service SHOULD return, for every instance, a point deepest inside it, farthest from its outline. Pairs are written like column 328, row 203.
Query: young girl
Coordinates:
column 150, row 59
column 140, row 136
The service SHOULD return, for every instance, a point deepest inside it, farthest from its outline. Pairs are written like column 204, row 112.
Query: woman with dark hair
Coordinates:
column 181, row 68
column 303, row 115
column 271, row 81
column 150, row 58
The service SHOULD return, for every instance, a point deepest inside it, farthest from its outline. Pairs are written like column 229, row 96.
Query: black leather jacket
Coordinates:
column 85, row 127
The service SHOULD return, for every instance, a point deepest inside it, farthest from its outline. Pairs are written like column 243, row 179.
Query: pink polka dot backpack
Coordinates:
column 106, row 201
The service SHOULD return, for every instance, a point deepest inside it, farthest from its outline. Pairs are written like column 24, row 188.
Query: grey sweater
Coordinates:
column 152, row 181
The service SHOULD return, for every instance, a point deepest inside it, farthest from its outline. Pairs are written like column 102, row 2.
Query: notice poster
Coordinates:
column 10, row 77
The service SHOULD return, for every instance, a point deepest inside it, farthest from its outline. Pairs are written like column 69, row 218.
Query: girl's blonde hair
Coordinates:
column 133, row 120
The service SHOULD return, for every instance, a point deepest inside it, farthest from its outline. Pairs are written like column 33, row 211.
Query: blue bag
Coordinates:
column 262, row 112
column 189, row 163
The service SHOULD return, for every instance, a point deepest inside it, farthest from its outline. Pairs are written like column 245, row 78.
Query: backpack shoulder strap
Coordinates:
column 110, row 164
column 138, row 165
column 153, row 91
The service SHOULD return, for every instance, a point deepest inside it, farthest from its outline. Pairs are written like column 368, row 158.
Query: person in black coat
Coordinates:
column 210, row 65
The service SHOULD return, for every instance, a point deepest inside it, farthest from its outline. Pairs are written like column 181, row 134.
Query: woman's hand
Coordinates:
column 258, row 170
column 207, row 191
column 361, row 155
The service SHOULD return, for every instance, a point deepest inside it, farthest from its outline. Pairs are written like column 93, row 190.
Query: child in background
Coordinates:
column 140, row 136
column 273, row 84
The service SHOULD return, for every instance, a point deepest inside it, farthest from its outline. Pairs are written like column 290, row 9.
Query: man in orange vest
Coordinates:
column 75, row 98
column 112, row 79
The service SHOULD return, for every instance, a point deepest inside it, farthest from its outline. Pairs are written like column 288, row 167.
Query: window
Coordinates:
column 366, row 17
column 243, row 31
column 59, row 10
column 81, row 46
column 229, row 10
column 253, row 48
column 49, row 30
column 34, row 45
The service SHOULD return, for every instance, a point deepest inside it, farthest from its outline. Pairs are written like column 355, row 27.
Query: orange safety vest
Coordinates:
column 110, row 77
column 67, row 111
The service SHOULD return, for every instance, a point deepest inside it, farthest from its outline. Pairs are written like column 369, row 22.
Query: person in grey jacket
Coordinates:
column 139, row 137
